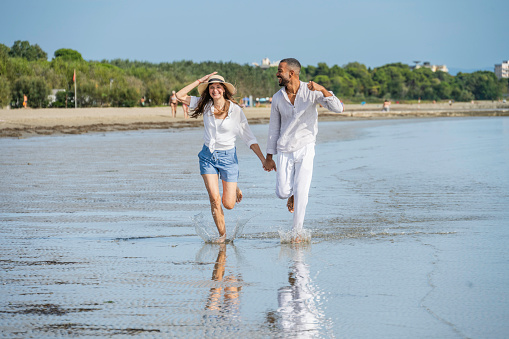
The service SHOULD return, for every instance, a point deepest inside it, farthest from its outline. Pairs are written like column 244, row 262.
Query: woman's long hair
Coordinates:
column 206, row 99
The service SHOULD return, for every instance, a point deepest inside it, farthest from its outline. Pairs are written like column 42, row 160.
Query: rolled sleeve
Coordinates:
column 332, row 103
column 245, row 132
column 274, row 129
column 193, row 103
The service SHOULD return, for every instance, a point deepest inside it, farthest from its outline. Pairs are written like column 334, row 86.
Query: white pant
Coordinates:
column 293, row 177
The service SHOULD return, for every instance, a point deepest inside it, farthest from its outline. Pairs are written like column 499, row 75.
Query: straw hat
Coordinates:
column 216, row 79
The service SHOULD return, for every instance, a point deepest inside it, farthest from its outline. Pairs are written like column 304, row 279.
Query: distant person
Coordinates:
column 292, row 135
column 224, row 120
column 185, row 108
column 142, row 101
column 245, row 101
column 386, row 106
column 173, row 104
column 25, row 101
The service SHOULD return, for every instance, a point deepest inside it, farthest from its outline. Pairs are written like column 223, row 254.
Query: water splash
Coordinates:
column 207, row 230
column 289, row 237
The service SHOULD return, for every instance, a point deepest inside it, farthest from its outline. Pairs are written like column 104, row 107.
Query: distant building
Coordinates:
column 53, row 96
column 433, row 68
column 502, row 70
column 266, row 63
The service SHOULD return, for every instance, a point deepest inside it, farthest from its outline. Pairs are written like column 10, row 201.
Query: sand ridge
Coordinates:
column 20, row 123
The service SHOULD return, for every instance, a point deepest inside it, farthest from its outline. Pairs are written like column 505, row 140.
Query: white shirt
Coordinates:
column 220, row 134
column 292, row 127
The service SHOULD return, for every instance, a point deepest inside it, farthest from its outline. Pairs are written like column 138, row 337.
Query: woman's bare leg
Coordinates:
column 174, row 110
column 230, row 194
column 212, row 185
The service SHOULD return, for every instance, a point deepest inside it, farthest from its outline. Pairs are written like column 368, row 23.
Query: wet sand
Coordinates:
column 23, row 123
column 409, row 236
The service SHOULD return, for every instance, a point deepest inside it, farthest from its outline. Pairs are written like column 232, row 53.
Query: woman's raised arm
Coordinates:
column 182, row 94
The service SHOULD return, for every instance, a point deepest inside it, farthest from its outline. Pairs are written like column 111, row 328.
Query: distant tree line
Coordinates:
column 25, row 70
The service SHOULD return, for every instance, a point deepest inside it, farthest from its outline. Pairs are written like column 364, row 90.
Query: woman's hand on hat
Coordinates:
column 205, row 78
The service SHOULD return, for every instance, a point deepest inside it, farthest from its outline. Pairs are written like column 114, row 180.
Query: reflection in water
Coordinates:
column 223, row 303
column 298, row 313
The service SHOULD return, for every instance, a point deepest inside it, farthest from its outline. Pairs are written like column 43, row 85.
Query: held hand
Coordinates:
column 269, row 165
column 205, row 78
column 313, row 86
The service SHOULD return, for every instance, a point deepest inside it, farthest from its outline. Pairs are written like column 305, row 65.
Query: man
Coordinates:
column 386, row 106
column 292, row 135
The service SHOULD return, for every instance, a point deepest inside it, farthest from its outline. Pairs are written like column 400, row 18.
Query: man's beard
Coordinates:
column 283, row 82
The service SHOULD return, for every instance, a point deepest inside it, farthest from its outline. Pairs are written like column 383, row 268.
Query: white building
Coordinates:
column 433, row 68
column 53, row 96
column 266, row 63
column 502, row 70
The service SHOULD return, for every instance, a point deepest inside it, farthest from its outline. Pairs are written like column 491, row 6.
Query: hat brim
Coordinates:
column 202, row 87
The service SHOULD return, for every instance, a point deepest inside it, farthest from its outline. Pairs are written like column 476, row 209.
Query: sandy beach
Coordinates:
column 21, row 123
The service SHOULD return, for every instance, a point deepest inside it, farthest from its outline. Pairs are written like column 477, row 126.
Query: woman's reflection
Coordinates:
column 298, row 311
column 224, row 296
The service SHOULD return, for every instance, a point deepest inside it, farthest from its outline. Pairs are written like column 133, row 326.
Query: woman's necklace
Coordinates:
column 219, row 111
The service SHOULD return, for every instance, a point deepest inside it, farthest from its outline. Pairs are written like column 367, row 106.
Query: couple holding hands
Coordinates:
column 292, row 135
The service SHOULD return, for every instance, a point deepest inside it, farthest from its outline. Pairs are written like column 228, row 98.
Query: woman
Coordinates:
column 185, row 108
column 173, row 104
column 224, row 121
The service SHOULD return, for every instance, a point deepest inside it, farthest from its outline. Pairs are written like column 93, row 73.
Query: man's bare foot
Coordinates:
column 239, row 195
column 295, row 240
column 289, row 204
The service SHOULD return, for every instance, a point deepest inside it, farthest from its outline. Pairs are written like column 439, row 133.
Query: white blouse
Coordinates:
column 220, row 134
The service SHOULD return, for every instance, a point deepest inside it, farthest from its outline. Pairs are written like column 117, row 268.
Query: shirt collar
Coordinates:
column 298, row 91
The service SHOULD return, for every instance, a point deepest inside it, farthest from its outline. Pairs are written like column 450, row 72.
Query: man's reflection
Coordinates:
column 298, row 311
column 224, row 296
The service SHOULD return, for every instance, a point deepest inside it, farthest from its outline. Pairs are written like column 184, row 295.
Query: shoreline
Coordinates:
column 23, row 123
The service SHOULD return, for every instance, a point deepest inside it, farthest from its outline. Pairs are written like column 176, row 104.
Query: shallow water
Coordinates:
column 409, row 225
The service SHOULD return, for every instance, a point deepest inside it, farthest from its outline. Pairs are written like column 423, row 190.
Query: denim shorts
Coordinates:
column 224, row 163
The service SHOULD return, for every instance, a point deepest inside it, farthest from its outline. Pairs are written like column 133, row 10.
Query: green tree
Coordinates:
column 461, row 95
column 61, row 100
column 23, row 49
column 365, row 83
column 4, row 60
column 34, row 88
column 68, row 54
column 157, row 91
column 127, row 91
column 4, row 49
column 483, row 85
column 5, row 92
column 323, row 80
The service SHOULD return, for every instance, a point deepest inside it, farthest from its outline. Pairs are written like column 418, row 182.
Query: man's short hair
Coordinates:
column 292, row 63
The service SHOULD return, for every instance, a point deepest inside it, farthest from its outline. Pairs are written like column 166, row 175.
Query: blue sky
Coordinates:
column 463, row 34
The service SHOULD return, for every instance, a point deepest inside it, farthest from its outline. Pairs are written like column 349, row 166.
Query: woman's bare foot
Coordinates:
column 239, row 195
column 221, row 239
column 289, row 204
